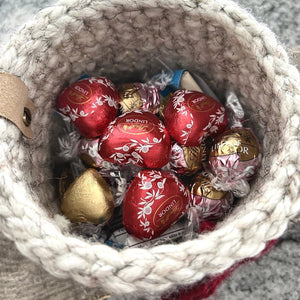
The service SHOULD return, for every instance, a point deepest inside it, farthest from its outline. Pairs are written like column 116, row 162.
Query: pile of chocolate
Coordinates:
column 154, row 153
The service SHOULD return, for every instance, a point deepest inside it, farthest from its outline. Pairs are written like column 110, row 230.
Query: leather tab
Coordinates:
column 15, row 104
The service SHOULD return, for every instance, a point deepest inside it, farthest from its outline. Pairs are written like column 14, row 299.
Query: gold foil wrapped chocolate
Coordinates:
column 138, row 96
column 235, row 155
column 210, row 203
column 236, row 141
column 163, row 105
column 187, row 160
column 88, row 199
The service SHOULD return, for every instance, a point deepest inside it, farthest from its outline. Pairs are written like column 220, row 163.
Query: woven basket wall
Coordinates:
column 123, row 39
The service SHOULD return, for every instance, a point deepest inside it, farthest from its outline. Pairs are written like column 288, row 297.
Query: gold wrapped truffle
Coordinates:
column 88, row 199
column 210, row 203
column 187, row 160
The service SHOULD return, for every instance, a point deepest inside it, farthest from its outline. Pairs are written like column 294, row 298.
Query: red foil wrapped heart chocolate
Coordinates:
column 235, row 155
column 139, row 96
column 192, row 116
column 210, row 203
column 136, row 137
column 153, row 202
column 91, row 104
column 187, row 160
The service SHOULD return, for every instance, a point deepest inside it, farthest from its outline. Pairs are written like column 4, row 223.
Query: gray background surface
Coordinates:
column 275, row 276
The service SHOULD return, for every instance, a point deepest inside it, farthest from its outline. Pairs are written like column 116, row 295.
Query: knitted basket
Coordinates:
column 122, row 39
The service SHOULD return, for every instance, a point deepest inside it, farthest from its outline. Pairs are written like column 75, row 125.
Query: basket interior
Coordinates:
column 128, row 42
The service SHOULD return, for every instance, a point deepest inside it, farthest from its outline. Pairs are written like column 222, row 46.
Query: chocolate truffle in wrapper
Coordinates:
column 210, row 203
column 88, row 199
column 153, row 202
column 139, row 96
column 187, row 160
column 91, row 104
column 190, row 117
column 235, row 155
column 137, row 137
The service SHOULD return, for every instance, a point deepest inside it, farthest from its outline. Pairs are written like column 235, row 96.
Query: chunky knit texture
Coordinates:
column 122, row 40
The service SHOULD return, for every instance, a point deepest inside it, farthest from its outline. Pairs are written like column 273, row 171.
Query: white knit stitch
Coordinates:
column 122, row 39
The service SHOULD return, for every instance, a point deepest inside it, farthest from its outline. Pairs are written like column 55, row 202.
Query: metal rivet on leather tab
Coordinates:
column 26, row 116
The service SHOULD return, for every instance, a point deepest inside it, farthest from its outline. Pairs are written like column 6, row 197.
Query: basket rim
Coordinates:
column 51, row 245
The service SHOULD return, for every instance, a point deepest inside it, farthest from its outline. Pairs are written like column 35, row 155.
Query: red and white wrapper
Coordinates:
column 153, row 202
column 91, row 104
column 191, row 116
column 138, row 138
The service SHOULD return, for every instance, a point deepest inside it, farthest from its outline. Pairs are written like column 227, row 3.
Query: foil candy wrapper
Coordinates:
column 91, row 104
column 207, row 205
column 190, row 117
column 234, row 159
column 171, row 81
column 174, row 234
column 211, row 204
column 135, row 96
column 88, row 199
column 153, row 202
column 187, row 160
column 137, row 137
column 235, row 110
column 88, row 152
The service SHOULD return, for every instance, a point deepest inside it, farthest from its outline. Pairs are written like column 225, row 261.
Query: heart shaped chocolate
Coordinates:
column 153, row 202
column 91, row 104
column 192, row 116
column 88, row 199
column 136, row 137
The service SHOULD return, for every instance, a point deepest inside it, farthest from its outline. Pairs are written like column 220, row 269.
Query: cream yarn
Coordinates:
column 122, row 39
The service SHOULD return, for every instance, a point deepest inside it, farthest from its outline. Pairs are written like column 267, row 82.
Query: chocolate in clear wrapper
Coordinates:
column 210, row 203
column 187, row 160
column 139, row 96
column 235, row 155
column 121, row 238
column 235, row 110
